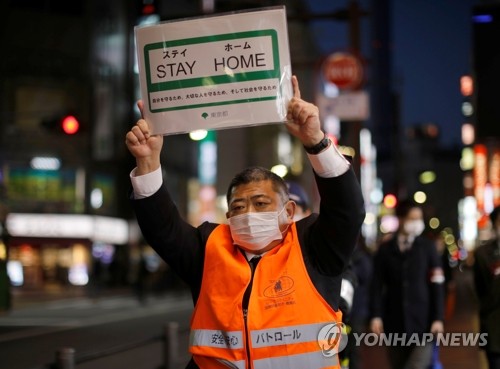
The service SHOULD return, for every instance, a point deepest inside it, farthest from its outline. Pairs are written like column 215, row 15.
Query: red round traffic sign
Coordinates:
column 344, row 70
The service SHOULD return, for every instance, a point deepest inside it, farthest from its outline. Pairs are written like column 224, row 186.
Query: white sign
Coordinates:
column 216, row 71
column 347, row 106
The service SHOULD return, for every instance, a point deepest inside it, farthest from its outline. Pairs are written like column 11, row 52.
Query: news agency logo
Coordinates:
column 451, row 339
column 332, row 339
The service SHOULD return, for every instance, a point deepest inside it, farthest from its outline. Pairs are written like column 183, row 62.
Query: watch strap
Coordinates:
column 316, row 149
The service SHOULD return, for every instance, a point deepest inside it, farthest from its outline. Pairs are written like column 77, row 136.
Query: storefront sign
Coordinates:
column 94, row 228
column 480, row 173
column 495, row 176
column 215, row 72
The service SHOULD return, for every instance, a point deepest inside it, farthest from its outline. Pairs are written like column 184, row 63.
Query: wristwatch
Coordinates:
column 316, row 149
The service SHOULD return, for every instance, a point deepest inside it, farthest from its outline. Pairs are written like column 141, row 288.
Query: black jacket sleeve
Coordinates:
column 331, row 238
column 327, row 239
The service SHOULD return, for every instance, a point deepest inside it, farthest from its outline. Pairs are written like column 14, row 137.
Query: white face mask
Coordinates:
column 254, row 231
column 414, row 227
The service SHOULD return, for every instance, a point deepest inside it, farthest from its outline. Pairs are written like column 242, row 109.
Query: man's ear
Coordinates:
column 290, row 209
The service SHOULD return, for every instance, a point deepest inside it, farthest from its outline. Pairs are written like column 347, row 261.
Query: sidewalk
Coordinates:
column 22, row 298
column 36, row 313
column 463, row 319
column 108, row 331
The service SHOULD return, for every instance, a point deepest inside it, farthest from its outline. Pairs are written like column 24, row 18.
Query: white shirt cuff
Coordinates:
column 329, row 163
column 147, row 184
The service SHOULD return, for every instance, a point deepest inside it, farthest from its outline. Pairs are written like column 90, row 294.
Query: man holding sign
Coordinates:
column 266, row 289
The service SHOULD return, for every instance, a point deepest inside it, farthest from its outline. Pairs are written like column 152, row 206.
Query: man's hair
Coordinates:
column 404, row 207
column 257, row 174
column 494, row 215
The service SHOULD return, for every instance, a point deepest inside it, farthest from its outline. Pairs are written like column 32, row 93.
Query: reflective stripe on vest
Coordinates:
column 299, row 361
column 260, row 338
column 216, row 338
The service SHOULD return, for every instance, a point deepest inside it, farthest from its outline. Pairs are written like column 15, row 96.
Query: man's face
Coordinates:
column 414, row 215
column 259, row 197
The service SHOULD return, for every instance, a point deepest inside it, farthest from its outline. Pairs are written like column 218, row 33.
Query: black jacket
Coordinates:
column 402, row 293
column 327, row 239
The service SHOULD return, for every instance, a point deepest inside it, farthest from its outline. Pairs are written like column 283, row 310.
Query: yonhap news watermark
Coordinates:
column 451, row 339
column 333, row 338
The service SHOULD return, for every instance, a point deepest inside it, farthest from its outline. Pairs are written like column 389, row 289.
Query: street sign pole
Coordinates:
column 354, row 130
column 345, row 70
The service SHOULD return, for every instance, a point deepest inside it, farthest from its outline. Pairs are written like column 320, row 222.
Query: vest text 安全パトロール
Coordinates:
column 285, row 311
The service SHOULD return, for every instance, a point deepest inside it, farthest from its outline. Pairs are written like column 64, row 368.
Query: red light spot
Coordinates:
column 70, row 125
column 148, row 9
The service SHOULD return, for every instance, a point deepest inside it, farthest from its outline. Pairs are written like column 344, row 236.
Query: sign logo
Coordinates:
column 332, row 339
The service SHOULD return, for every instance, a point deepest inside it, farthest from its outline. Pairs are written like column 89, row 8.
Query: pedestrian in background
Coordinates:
column 264, row 286
column 407, row 294
column 300, row 197
column 487, row 283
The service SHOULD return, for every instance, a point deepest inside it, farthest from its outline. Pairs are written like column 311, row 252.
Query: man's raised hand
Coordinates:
column 303, row 118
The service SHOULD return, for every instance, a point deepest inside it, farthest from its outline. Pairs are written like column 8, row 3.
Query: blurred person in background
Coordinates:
column 407, row 293
column 299, row 195
column 487, row 282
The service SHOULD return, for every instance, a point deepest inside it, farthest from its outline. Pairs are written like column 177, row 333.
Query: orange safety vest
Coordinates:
column 286, row 314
